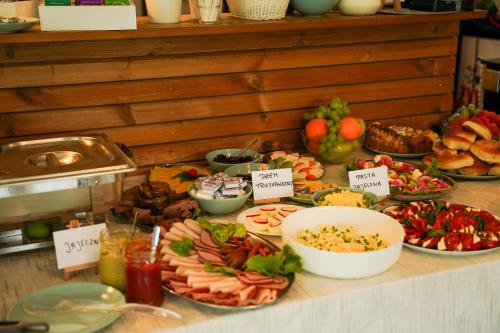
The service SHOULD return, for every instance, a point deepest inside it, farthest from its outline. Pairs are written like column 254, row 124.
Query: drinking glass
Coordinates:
column 209, row 11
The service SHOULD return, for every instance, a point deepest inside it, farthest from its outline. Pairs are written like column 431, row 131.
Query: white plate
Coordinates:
column 449, row 253
column 242, row 218
column 13, row 27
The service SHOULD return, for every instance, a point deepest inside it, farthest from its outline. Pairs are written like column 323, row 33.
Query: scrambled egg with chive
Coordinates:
column 346, row 239
column 344, row 198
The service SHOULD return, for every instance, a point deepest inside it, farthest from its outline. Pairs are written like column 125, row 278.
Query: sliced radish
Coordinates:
column 253, row 215
column 268, row 209
column 289, row 209
column 260, row 220
column 279, row 217
column 274, row 222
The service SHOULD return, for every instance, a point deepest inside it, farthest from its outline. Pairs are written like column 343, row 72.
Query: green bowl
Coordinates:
column 243, row 169
column 313, row 7
column 225, row 206
column 218, row 167
column 368, row 196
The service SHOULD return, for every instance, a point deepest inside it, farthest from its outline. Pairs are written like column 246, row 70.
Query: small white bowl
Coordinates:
column 359, row 7
column 344, row 265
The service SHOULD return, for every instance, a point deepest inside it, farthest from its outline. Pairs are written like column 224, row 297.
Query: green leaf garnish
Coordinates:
column 182, row 247
column 282, row 262
column 432, row 170
column 219, row 269
column 222, row 232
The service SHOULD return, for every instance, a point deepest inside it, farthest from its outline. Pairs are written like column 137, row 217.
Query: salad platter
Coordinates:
column 408, row 181
column 304, row 190
column 224, row 266
column 444, row 228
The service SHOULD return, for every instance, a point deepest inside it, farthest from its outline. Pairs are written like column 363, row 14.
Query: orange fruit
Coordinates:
column 316, row 128
column 350, row 128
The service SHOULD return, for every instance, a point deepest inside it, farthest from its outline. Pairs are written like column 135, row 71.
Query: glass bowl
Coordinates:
column 339, row 153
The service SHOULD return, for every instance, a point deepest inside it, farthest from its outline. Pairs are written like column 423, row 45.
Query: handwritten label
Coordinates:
column 275, row 183
column 374, row 180
column 78, row 246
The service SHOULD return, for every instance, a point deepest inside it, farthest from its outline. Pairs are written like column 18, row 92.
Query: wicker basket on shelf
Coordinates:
column 258, row 9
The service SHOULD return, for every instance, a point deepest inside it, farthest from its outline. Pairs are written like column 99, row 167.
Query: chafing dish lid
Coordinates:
column 61, row 157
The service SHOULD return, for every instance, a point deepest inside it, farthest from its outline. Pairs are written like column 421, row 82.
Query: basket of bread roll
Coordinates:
column 471, row 150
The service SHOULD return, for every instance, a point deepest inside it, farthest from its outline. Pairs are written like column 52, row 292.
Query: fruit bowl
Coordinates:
column 340, row 152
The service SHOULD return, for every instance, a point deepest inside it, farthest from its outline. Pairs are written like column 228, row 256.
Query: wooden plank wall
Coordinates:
column 173, row 99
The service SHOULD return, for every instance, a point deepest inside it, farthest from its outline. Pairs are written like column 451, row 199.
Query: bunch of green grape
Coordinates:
column 468, row 111
column 332, row 143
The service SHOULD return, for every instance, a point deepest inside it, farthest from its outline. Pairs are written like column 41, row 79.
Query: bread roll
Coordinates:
column 487, row 150
column 480, row 129
column 471, row 137
column 479, row 168
column 452, row 141
column 494, row 170
column 450, row 159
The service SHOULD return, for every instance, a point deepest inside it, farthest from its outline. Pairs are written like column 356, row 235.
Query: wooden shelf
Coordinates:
column 230, row 25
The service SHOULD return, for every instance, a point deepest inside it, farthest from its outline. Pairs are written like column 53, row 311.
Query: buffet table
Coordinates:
column 421, row 293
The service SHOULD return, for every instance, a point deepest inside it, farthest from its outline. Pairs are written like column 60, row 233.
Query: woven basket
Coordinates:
column 258, row 9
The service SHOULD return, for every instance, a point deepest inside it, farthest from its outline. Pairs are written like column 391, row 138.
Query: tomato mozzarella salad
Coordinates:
column 445, row 226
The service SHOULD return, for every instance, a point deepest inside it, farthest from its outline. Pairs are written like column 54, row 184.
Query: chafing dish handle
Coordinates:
column 126, row 150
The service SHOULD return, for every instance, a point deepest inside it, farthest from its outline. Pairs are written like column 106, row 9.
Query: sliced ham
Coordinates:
column 206, row 239
column 193, row 225
column 166, row 258
column 162, row 231
column 165, row 242
column 275, row 285
column 233, row 301
column 264, row 296
column 180, row 287
column 198, row 280
column 253, row 278
column 182, row 227
column 192, row 272
column 171, row 276
column 182, row 270
column 179, row 232
column 223, row 283
column 199, row 245
column 233, row 288
column 245, row 292
column 168, row 250
column 210, row 257
column 180, row 261
column 171, row 236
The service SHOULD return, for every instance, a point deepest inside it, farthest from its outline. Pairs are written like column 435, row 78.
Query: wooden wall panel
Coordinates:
column 106, row 49
column 173, row 98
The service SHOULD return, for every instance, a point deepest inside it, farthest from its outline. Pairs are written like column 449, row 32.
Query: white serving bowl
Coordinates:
column 359, row 7
column 341, row 264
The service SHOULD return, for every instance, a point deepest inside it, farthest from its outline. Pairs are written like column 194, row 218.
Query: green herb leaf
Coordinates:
column 222, row 232
column 282, row 262
column 182, row 247
column 434, row 233
column 432, row 170
column 219, row 269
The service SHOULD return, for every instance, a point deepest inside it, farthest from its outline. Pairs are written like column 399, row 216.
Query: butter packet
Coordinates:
column 57, row 2
column 116, row 2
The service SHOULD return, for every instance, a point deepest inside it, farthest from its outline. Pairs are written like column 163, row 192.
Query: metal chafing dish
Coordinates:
column 60, row 177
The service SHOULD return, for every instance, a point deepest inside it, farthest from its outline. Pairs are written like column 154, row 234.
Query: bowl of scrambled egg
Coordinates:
column 344, row 242
column 345, row 196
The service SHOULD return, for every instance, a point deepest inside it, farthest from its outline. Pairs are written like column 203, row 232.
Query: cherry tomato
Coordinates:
column 451, row 240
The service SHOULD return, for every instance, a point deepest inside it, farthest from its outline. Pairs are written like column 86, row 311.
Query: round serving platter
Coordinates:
column 434, row 195
column 290, row 277
column 469, row 177
column 449, row 253
column 397, row 155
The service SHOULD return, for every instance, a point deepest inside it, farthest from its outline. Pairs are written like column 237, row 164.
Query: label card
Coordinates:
column 78, row 246
column 275, row 183
column 375, row 180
